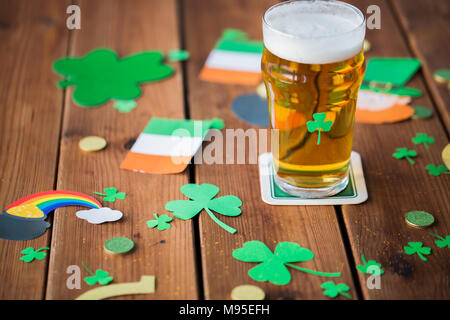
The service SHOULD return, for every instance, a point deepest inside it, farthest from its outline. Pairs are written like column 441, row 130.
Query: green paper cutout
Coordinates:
column 416, row 247
column 442, row 243
column 178, row 55
column 125, row 105
column 401, row 91
column 29, row 254
column 401, row 153
column 202, row 199
column 101, row 75
column 237, row 40
column 332, row 290
column 161, row 222
column 423, row 138
column 396, row 71
column 319, row 124
column 436, row 171
column 272, row 266
column 366, row 267
column 421, row 112
column 182, row 128
column 111, row 195
column 442, row 75
column 419, row 218
column 102, row 277
column 119, row 244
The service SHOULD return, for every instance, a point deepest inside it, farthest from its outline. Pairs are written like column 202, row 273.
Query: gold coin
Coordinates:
column 92, row 143
column 366, row 45
column 446, row 156
column 247, row 292
column 261, row 91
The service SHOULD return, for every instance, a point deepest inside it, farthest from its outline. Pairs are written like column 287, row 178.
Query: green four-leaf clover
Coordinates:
column 161, row 222
column 417, row 247
column 371, row 267
column 111, row 194
column 332, row 290
column 319, row 124
column 442, row 243
column 401, row 153
column 272, row 266
column 29, row 254
column 202, row 199
column 436, row 171
column 423, row 138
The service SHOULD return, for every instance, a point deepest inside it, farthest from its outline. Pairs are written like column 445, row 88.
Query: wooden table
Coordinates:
column 40, row 127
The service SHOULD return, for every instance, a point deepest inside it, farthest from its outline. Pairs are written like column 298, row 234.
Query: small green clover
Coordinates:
column 178, row 55
column 423, row 138
column 161, row 222
column 442, row 243
column 436, row 171
column 319, row 124
column 405, row 153
column 125, row 105
column 202, row 199
column 416, row 247
column 370, row 267
column 332, row 290
column 102, row 277
column 111, row 194
column 29, row 254
column 272, row 266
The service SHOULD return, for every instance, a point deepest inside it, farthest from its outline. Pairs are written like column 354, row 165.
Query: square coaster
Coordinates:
column 354, row 193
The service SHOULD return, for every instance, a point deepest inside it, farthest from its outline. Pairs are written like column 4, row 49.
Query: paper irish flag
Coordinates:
column 235, row 59
column 167, row 145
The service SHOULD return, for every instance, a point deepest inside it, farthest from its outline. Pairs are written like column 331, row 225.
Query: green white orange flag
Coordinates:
column 167, row 145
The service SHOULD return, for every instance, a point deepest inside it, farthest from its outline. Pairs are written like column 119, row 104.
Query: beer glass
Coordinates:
column 312, row 66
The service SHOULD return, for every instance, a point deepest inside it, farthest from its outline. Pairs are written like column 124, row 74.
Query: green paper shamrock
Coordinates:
column 273, row 265
column 423, row 138
column 319, row 124
column 421, row 112
column 436, row 171
column 178, row 55
column 29, row 254
column 102, row 277
column 125, row 105
column 202, row 198
column 101, row 75
column 332, row 290
column 443, row 242
column 111, row 194
column 401, row 153
column 370, row 267
column 416, row 247
column 161, row 222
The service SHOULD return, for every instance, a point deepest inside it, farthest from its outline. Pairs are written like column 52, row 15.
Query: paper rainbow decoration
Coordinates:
column 25, row 218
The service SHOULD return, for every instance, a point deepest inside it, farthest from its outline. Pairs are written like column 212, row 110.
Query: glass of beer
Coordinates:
column 312, row 66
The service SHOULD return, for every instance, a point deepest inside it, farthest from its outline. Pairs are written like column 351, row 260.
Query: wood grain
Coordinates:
column 315, row 228
column 377, row 227
column 30, row 114
column 426, row 28
column 127, row 27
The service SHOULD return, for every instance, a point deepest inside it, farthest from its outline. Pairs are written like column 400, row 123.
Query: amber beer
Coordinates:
column 312, row 64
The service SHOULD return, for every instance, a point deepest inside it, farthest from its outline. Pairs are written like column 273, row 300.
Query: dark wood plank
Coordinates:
column 32, row 35
column 377, row 227
column 426, row 27
column 127, row 27
column 315, row 228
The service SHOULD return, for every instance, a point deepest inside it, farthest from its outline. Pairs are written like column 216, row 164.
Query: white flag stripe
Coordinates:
column 163, row 145
column 232, row 60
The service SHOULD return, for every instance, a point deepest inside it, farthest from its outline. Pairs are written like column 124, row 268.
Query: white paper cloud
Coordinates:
column 97, row 216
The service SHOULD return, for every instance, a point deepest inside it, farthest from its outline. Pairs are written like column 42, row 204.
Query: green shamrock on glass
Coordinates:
column 319, row 124
column 125, row 105
column 202, row 199
column 370, row 267
column 111, row 194
column 417, row 247
column 29, row 254
column 102, row 277
column 272, row 266
column 332, row 290
column 401, row 153
column 442, row 243
column 161, row 222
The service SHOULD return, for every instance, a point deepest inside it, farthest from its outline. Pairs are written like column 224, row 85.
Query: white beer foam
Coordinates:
column 314, row 32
